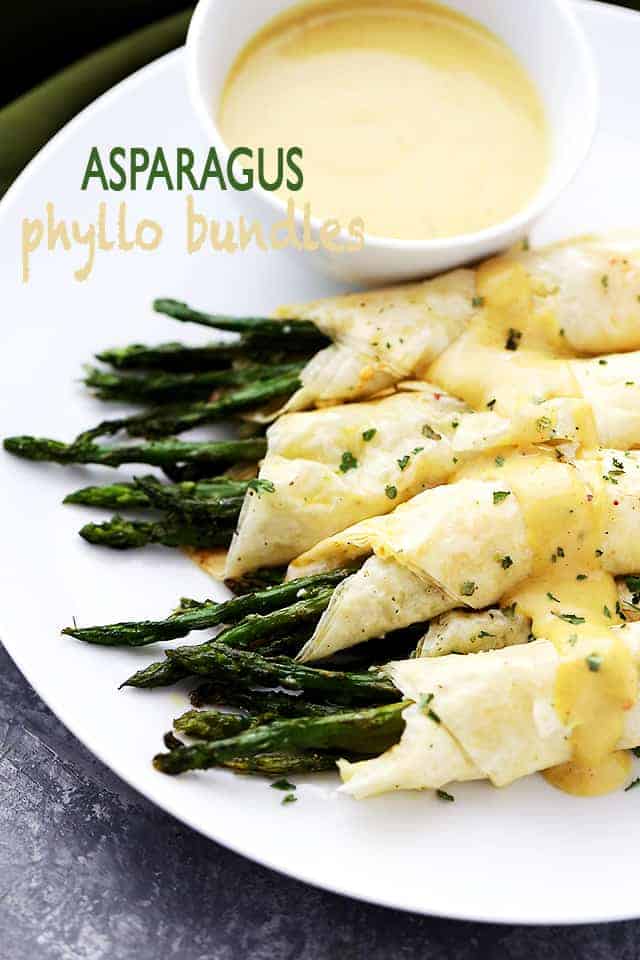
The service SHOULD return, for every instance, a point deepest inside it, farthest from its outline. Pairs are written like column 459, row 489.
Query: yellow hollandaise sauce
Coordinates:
column 410, row 115
column 572, row 601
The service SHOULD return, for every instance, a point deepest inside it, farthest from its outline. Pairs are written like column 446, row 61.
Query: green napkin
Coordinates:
column 31, row 120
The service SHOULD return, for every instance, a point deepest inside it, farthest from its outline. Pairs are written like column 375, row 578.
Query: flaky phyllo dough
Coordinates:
column 496, row 357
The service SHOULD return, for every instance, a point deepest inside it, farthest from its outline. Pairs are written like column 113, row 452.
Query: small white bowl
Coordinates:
column 544, row 34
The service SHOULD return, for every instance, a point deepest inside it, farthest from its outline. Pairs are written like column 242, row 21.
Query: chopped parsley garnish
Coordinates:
column 403, row 462
column 485, row 633
column 369, row 434
column 348, row 462
column 581, row 576
column 634, row 783
column 560, row 551
column 425, row 700
column 571, row 618
column 551, row 597
column 416, row 450
column 391, row 491
column 513, row 339
column 606, row 611
column 283, row 784
column 636, row 752
column 633, row 583
column 604, row 280
column 429, row 432
column 443, row 795
column 500, row 495
column 289, row 798
column 468, row 588
column 499, row 461
column 543, row 423
column 260, row 485
column 455, row 424
column 599, row 552
column 602, row 362
column 506, row 562
column 477, row 302
column 594, row 662
column 491, row 403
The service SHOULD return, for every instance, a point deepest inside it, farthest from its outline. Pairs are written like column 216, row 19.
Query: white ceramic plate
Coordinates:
column 523, row 854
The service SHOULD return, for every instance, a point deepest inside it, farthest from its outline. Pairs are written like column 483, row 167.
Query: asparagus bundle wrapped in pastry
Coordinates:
column 477, row 541
column 504, row 714
column 579, row 297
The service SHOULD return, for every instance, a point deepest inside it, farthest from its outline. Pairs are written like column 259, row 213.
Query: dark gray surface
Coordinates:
column 90, row 870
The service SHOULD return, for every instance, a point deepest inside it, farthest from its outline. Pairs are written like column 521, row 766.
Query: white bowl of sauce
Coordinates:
column 434, row 134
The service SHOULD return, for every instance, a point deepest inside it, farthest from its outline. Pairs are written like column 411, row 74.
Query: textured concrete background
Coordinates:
column 90, row 870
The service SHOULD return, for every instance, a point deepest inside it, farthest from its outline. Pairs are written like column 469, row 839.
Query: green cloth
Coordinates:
column 31, row 120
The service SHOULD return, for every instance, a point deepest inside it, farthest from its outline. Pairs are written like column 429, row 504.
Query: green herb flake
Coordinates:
column 506, row 562
column 499, row 461
column 443, row 795
column 604, row 280
column 606, row 611
column 571, row 618
column 282, row 784
column 260, row 485
column 500, row 495
column 551, row 597
column 634, row 783
column 633, row 583
column 594, row 662
column 348, row 462
column 636, row 752
column 491, row 403
column 468, row 588
column 560, row 551
column 477, row 302
column 289, row 798
column 369, row 434
column 581, row 576
column 391, row 491
column 543, row 424
column 430, row 433
column 573, row 639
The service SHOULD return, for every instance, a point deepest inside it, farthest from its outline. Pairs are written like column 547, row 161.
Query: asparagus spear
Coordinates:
column 193, row 509
column 121, row 534
column 123, row 495
column 160, row 453
column 220, row 662
column 214, row 724
column 204, row 616
column 257, row 580
column 280, row 764
column 274, row 702
column 267, row 327
column 166, row 387
column 173, row 356
column 163, row 421
column 368, row 732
